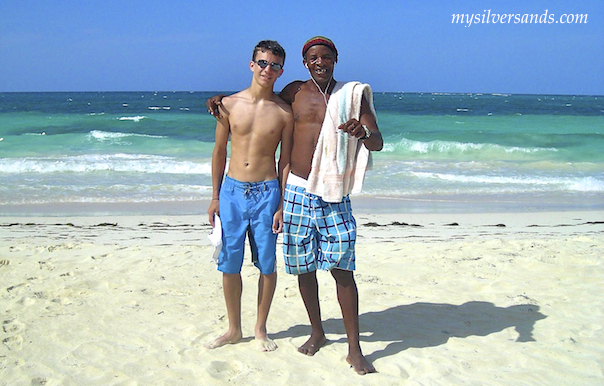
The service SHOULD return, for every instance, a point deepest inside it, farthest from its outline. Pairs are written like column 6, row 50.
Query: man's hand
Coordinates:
column 213, row 209
column 213, row 104
column 278, row 221
column 354, row 128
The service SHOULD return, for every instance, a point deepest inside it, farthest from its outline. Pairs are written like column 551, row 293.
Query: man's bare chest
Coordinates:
column 309, row 110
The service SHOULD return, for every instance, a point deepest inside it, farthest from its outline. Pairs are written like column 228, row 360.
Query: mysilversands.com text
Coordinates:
column 487, row 17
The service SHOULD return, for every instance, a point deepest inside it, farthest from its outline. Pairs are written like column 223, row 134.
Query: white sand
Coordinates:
column 132, row 300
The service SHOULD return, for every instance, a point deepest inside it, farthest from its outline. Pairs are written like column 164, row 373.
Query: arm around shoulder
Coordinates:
column 289, row 92
column 213, row 105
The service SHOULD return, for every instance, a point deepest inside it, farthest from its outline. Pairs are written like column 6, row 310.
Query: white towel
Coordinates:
column 340, row 160
column 215, row 237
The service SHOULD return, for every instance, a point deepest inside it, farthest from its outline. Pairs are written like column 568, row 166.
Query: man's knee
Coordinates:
column 307, row 278
column 343, row 276
column 269, row 276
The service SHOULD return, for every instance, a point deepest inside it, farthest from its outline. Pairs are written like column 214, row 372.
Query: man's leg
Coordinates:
column 299, row 257
column 232, row 286
column 309, row 289
column 264, row 199
column 348, row 298
column 266, row 290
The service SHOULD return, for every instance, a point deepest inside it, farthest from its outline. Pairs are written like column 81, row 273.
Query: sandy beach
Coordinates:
column 445, row 299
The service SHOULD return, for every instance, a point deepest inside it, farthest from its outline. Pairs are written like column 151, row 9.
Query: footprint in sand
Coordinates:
column 62, row 247
column 290, row 292
column 17, row 287
column 223, row 371
column 12, row 326
column 392, row 369
column 43, row 381
column 27, row 301
column 42, row 294
column 14, row 343
column 46, row 265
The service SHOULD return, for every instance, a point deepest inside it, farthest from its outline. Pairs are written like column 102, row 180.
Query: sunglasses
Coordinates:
column 274, row 66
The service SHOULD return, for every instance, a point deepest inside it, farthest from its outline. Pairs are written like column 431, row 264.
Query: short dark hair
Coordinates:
column 271, row 45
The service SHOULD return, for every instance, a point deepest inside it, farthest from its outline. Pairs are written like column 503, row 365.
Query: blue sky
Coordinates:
column 195, row 45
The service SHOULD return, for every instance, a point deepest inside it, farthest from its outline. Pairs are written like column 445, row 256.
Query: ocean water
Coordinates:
column 151, row 151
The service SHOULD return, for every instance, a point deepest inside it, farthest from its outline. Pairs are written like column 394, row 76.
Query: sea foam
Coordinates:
column 452, row 149
column 135, row 163
column 107, row 136
column 137, row 118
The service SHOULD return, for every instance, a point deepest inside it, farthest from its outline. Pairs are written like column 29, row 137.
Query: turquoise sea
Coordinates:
column 150, row 152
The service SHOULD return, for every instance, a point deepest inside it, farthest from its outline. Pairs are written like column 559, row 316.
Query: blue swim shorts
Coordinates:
column 317, row 234
column 247, row 208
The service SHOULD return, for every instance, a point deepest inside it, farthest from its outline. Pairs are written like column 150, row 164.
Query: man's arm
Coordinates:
column 213, row 104
column 219, row 158
column 355, row 128
column 375, row 142
column 283, row 168
column 288, row 94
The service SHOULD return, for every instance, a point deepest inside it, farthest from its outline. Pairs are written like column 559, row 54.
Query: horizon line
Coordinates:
column 374, row 92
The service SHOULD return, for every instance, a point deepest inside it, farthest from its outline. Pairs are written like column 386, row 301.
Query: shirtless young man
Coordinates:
column 249, row 200
column 308, row 100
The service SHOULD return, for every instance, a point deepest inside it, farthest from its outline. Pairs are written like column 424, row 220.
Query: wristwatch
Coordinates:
column 367, row 133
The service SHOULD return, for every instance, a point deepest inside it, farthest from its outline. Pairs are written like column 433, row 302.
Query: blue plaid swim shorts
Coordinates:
column 317, row 234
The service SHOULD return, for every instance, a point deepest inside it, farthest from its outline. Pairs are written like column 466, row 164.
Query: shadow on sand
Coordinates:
column 430, row 324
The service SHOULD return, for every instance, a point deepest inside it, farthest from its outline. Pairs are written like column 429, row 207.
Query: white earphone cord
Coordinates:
column 316, row 84
column 324, row 94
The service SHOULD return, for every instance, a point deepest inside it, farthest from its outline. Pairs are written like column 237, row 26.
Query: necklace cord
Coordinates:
column 324, row 93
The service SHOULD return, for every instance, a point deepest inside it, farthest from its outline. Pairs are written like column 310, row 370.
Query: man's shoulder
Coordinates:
column 294, row 84
column 281, row 103
column 238, row 96
column 297, row 85
column 230, row 102
column 291, row 90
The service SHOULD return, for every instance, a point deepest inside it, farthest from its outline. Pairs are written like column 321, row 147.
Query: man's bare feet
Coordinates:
column 228, row 338
column 312, row 345
column 360, row 364
column 262, row 340
column 265, row 344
